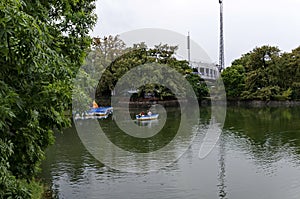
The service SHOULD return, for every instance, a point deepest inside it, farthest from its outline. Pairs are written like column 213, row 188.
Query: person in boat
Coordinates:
column 149, row 113
column 95, row 105
column 141, row 114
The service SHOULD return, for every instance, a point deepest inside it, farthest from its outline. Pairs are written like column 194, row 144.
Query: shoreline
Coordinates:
column 207, row 102
column 261, row 103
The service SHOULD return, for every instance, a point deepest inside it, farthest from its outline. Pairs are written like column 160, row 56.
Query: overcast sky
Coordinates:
column 247, row 23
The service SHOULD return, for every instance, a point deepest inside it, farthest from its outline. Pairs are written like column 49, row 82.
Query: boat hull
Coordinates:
column 101, row 111
column 146, row 117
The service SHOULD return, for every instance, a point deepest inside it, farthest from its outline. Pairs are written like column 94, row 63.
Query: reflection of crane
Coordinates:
column 222, row 172
column 221, row 55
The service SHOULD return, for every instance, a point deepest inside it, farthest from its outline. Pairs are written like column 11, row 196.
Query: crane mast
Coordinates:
column 221, row 53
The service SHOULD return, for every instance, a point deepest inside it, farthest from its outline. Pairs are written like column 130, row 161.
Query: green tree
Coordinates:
column 200, row 88
column 138, row 55
column 263, row 74
column 259, row 57
column 234, row 80
column 260, row 68
column 289, row 75
column 269, row 75
column 100, row 55
column 42, row 44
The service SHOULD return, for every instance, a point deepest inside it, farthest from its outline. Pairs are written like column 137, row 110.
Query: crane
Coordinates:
column 221, row 47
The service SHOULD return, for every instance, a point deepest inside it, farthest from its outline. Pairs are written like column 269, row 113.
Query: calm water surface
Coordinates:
column 257, row 156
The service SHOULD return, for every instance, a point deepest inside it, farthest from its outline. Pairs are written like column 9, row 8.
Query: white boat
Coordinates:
column 147, row 117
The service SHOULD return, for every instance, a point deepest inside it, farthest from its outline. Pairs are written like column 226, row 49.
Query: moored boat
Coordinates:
column 96, row 113
column 101, row 111
column 85, row 117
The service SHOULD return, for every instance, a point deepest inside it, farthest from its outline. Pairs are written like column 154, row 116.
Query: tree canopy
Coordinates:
column 265, row 73
column 109, row 59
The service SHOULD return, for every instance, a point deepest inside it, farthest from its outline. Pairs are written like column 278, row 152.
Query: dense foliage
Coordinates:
column 109, row 59
column 161, row 54
column 141, row 55
column 264, row 74
column 42, row 44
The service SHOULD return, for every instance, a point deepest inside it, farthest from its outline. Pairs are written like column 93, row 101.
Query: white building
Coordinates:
column 207, row 71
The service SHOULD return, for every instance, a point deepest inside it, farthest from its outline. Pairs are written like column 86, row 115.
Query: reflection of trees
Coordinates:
column 205, row 115
column 167, row 144
column 142, row 145
column 69, row 160
column 69, row 156
column 271, row 132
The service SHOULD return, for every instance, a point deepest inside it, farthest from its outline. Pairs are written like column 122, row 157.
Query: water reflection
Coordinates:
column 148, row 123
column 257, row 156
column 268, row 134
column 222, row 169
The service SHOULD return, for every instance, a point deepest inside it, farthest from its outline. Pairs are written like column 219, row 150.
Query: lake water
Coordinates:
column 257, row 156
